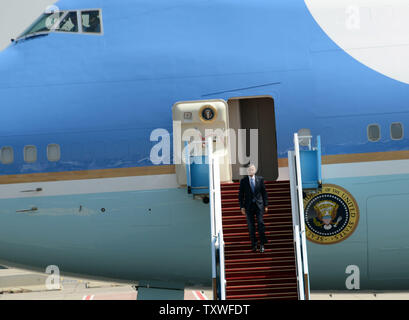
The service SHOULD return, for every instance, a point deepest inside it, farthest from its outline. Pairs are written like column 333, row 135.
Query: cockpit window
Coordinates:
column 69, row 23
column 66, row 21
column 91, row 21
column 42, row 24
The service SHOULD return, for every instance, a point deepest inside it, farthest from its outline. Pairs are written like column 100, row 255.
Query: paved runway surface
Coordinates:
column 16, row 284
column 360, row 296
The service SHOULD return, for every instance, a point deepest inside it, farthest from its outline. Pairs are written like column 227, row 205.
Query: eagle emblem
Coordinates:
column 208, row 113
column 326, row 213
column 331, row 214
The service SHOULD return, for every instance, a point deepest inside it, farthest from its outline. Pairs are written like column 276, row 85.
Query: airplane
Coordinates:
column 83, row 88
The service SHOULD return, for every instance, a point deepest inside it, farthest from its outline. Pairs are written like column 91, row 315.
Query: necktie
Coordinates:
column 252, row 184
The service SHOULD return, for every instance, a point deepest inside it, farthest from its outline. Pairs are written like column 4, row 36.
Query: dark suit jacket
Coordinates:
column 246, row 195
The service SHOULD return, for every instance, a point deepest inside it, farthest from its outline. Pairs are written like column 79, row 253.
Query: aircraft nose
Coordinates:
column 11, row 65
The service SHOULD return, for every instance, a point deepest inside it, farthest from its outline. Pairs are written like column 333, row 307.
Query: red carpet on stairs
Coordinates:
column 255, row 275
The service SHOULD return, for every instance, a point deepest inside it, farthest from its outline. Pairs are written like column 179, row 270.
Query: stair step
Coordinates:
column 271, row 214
column 262, row 289
column 239, row 218
column 255, row 255
column 242, row 275
column 245, row 246
column 268, row 221
column 243, row 230
column 276, row 261
column 292, row 290
column 257, row 276
column 266, row 285
column 226, row 202
column 259, row 265
column 284, row 193
column 262, row 281
column 241, row 221
column 241, row 225
column 243, row 237
column 274, row 203
column 283, row 262
column 245, row 242
column 271, row 196
column 272, row 210
column 260, row 296
column 270, row 226
column 256, row 269
column 248, row 254
column 276, row 252
column 274, row 231
column 269, row 217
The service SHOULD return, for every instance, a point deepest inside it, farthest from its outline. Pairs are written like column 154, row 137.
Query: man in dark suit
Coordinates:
column 253, row 203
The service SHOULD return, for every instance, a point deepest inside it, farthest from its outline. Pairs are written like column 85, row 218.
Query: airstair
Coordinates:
column 281, row 272
column 254, row 275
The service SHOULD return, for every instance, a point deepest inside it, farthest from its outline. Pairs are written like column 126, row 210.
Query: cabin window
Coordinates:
column 91, row 21
column 396, row 131
column 7, row 155
column 53, row 152
column 374, row 132
column 69, row 23
column 30, row 154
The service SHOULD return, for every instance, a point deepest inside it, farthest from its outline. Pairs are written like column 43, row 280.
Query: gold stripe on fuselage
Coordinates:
column 87, row 174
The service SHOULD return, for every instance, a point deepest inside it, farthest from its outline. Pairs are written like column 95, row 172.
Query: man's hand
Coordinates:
column 243, row 211
column 265, row 209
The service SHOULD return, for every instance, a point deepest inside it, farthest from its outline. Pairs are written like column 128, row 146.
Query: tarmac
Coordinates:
column 16, row 284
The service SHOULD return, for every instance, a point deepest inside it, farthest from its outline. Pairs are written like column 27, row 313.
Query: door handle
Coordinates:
column 35, row 190
column 28, row 210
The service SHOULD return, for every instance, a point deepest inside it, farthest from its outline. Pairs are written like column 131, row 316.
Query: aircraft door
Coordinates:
column 196, row 121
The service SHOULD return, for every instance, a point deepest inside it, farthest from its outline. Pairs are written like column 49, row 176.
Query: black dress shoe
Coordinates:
column 262, row 248
column 254, row 248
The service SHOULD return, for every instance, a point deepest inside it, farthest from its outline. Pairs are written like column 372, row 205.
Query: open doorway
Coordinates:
column 256, row 113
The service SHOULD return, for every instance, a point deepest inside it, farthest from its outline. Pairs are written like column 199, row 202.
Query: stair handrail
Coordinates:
column 296, row 224
column 297, row 202
column 302, row 219
column 212, row 226
column 216, row 223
